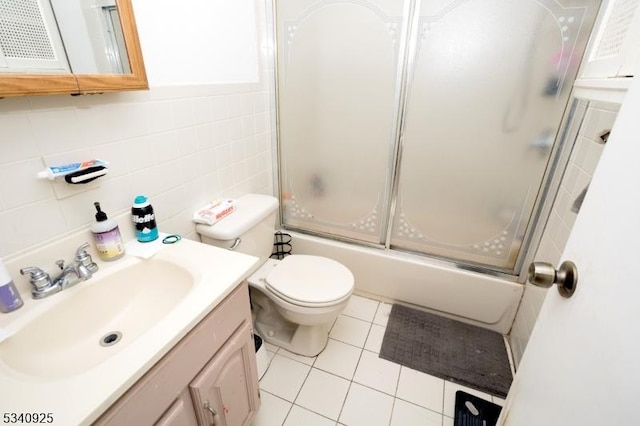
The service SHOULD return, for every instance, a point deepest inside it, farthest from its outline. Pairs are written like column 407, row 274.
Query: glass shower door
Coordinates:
column 337, row 87
column 488, row 85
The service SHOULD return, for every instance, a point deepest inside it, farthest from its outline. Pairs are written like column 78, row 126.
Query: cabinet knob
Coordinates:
column 214, row 413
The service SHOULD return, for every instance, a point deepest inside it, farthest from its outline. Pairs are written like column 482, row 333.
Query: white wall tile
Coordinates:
column 159, row 143
column 18, row 138
column 160, row 117
column 166, row 147
column 31, row 190
column 56, row 131
column 220, row 107
column 582, row 164
column 35, row 223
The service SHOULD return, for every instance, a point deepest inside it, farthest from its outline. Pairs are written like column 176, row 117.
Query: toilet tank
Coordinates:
column 253, row 222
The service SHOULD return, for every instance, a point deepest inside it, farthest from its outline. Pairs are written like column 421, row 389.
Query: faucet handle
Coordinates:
column 81, row 252
column 39, row 279
column 83, row 258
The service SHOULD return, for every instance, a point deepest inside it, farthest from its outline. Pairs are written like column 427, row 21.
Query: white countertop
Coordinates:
column 80, row 399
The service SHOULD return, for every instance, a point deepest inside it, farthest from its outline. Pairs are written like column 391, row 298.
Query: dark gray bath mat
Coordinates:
column 462, row 353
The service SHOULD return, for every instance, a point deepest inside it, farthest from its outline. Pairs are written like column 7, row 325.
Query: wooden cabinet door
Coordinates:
column 180, row 413
column 225, row 393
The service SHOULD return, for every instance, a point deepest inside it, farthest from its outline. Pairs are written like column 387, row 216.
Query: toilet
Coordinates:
column 294, row 300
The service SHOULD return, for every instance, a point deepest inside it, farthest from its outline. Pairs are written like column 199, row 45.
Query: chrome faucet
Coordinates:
column 81, row 269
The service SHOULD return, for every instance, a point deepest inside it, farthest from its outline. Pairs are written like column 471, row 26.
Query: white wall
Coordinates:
column 198, row 41
column 181, row 144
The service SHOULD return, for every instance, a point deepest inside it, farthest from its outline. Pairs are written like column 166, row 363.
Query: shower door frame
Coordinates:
column 549, row 185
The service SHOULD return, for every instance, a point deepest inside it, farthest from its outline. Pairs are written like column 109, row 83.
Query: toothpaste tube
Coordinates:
column 214, row 211
column 52, row 172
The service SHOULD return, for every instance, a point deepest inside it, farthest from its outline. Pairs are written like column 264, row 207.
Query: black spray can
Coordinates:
column 144, row 219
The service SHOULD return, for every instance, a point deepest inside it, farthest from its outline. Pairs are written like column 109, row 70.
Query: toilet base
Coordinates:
column 299, row 339
column 306, row 340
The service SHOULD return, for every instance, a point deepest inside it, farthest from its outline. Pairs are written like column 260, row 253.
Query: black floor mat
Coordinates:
column 448, row 349
column 473, row 411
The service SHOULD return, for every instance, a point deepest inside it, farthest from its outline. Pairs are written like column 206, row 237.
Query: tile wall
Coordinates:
column 584, row 158
column 181, row 145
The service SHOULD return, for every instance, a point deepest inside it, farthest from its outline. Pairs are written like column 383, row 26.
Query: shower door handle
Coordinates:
column 543, row 274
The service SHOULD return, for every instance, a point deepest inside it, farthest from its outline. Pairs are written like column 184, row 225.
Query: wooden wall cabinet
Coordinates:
column 209, row 378
column 77, row 84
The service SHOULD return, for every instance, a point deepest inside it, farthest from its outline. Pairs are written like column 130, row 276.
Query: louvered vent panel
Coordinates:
column 616, row 29
column 23, row 32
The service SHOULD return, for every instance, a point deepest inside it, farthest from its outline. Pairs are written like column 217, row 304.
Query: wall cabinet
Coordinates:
column 76, row 81
column 209, row 378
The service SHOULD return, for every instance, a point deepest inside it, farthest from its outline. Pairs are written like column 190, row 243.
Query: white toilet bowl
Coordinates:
column 296, row 300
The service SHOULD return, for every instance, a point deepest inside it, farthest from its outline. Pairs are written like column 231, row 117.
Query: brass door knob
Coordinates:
column 543, row 274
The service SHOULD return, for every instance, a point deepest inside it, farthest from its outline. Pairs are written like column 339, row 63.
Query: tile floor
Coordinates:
column 348, row 384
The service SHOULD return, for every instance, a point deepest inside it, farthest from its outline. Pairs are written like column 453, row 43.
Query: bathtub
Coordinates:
column 483, row 300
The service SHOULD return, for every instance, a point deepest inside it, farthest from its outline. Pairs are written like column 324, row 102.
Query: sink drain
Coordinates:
column 111, row 338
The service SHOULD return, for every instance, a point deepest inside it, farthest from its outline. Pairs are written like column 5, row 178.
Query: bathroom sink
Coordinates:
column 96, row 319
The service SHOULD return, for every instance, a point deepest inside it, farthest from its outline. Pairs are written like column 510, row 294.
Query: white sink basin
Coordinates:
column 52, row 358
column 66, row 339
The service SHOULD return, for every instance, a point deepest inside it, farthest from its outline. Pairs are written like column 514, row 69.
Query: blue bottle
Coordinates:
column 144, row 220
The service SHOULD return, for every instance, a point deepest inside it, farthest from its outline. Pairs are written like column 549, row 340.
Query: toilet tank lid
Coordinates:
column 250, row 210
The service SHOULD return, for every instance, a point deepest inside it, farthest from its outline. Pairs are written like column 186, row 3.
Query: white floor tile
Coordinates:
column 273, row 410
column 303, row 359
column 284, row 377
column 447, row 421
column 382, row 314
column 450, row 390
column 361, row 308
column 421, row 389
column 374, row 340
column 350, row 330
column 339, row 358
column 299, row 416
column 407, row 414
column 323, row 393
column 366, row 407
column 377, row 373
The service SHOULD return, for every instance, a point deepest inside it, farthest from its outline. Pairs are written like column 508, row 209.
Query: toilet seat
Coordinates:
column 310, row 281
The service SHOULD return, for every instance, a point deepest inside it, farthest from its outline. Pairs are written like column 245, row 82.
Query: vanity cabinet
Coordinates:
column 209, row 378
column 224, row 389
column 180, row 413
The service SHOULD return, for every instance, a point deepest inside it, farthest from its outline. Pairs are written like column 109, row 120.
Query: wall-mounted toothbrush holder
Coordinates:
column 86, row 176
column 69, row 179
column 76, row 173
